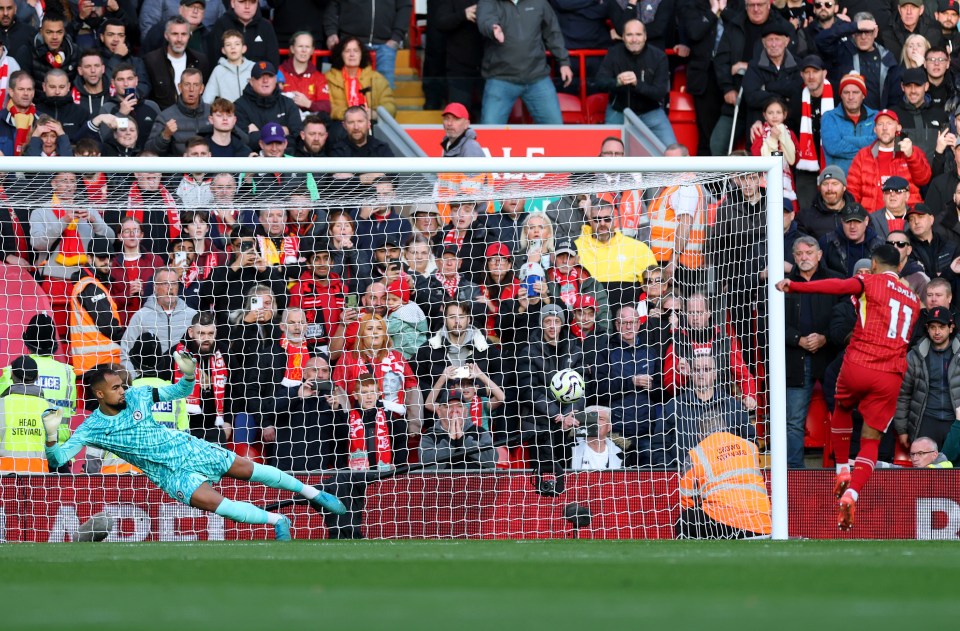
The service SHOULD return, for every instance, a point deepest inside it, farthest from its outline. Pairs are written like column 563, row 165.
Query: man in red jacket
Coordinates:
column 892, row 154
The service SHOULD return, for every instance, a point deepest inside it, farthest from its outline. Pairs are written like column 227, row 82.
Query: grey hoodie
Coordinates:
column 46, row 232
column 227, row 80
column 168, row 328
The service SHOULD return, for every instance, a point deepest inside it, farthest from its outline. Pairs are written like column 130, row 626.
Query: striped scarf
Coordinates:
column 23, row 122
column 808, row 156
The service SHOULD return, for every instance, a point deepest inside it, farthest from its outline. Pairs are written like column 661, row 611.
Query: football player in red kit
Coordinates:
column 873, row 367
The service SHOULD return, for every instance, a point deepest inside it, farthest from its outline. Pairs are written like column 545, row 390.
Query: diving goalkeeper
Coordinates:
column 181, row 465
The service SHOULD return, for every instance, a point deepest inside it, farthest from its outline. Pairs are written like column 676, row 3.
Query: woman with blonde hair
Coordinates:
column 536, row 241
column 914, row 51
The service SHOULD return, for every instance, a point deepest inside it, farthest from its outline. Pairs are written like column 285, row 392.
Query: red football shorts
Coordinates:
column 873, row 392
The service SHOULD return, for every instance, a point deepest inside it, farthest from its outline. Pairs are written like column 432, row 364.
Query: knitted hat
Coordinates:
column 552, row 310
column 855, row 80
column 399, row 288
column 40, row 336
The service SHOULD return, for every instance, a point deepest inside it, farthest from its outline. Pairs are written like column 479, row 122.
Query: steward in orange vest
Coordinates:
column 95, row 325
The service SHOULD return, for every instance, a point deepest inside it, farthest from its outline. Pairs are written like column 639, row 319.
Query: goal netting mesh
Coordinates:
column 391, row 334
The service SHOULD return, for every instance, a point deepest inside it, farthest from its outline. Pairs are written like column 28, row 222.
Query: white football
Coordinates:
column 567, row 385
column 97, row 528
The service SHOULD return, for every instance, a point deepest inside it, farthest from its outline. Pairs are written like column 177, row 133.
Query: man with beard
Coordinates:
column 89, row 90
column 95, row 328
column 823, row 216
column 359, row 144
column 205, row 404
column 14, row 33
column 449, row 283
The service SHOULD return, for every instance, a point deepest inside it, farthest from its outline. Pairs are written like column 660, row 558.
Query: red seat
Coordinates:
column 901, row 456
column 519, row 114
column 683, row 119
column 818, row 420
column 597, row 108
column 571, row 108
column 247, row 450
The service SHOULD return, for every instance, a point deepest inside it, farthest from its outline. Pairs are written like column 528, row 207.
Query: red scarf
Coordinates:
column 578, row 332
column 569, row 283
column 297, row 356
column 359, row 459
column 353, row 89
column 135, row 208
column 96, row 188
column 23, row 122
column 808, row 155
column 506, row 293
column 17, row 228
column 72, row 252
column 476, row 411
column 453, row 236
column 449, row 284
column 215, row 377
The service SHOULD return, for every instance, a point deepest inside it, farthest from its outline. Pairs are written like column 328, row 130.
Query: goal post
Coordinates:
column 419, row 182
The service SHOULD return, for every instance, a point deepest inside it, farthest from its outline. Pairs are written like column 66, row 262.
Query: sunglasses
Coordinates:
column 899, row 244
column 823, row 5
column 606, row 219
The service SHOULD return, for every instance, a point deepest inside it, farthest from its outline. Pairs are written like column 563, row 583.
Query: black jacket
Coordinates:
column 935, row 256
column 62, row 108
column 260, row 110
column 821, row 309
column 144, row 80
column 536, row 365
column 90, row 102
column 699, row 24
column 662, row 30
column 842, row 56
column 464, row 44
column 32, row 58
column 259, row 37
column 432, row 359
column 373, row 21
column 161, row 74
column 584, row 24
column 894, row 35
column 923, row 124
column 19, row 34
column 764, row 81
column 653, row 78
column 839, row 255
column 817, row 220
column 145, row 112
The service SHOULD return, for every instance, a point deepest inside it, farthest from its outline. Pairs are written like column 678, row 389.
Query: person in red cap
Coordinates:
column 460, row 141
column 499, row 283
column 406, row 321
column 891, row 154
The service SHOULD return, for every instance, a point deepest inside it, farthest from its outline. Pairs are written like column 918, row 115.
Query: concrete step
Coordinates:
column 405, row 102
column 419, row 117
column 403, row 64
column 407, row 88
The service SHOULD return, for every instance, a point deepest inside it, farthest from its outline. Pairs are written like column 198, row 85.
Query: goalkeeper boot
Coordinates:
column 328, row 501
column 848, row 507
column 282, row 529
column 841, row 483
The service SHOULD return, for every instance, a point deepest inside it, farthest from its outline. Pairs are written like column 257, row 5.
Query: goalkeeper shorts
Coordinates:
column 209, row 463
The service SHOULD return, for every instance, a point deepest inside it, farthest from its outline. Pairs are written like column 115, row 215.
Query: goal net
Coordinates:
column 490, row 352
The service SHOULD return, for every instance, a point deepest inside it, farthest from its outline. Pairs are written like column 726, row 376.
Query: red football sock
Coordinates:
column 841, row 427
column 866, row 460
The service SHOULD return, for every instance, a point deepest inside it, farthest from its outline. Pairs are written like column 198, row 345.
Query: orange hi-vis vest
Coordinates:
column 629, row 215
column 88, row 346
column 663, row 227
column 464, row 186
column 725, row 475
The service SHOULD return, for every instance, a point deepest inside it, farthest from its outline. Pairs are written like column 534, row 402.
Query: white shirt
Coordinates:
column 586, row 459
column 179, row 65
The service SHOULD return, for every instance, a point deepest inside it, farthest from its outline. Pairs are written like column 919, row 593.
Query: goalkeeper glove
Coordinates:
column 186, row 363
column 52, row 418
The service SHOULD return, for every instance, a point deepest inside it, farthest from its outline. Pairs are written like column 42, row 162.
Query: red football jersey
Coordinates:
column 887, row 311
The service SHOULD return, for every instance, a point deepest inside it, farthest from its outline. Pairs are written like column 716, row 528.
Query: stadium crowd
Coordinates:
column 369, row 337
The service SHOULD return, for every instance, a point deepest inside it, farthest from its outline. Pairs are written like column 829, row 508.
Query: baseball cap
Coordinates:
column 457, row 109
column 497, row 249
column 566, row 245
column 261, row 68
column 187, row 3
column 25, row 369
column 585, row 301
column 832, row 172
column 948, row 5
column 889, row 114
column 381, row 241
column 895, row 183
column 939, row 314
column 853, row 212
column 452, row 394
column 812, row 61
column 919, row 209
column 272, row 132
column 914, row 76
column 450, row 248
column 916, row 3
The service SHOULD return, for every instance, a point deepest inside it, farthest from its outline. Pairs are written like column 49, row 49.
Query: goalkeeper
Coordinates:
column 181, row 465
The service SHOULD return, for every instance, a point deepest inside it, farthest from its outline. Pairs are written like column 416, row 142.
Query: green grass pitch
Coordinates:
column 494, row 585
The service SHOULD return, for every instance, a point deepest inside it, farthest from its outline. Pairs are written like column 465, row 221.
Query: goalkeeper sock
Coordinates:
column 866, row 460
column 841, row 427
column 277, row 479
column 246, row 513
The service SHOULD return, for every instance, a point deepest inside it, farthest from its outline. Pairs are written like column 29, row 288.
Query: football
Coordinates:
column 567, row 385
column 97, row 528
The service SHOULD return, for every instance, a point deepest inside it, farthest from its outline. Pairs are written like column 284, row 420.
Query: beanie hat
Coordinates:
column 855, row 80
column 40, row 336
column 552, row 310
column 399, row 288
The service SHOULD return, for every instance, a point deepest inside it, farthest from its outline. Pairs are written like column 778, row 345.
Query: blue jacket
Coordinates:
column 842, row 139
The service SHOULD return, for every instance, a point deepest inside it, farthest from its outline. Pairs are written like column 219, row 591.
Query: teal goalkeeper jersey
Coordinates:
column 135, row 436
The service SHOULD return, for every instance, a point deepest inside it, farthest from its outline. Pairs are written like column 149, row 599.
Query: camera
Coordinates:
column 461, row 373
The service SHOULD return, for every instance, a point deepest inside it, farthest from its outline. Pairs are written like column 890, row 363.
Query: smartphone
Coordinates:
column 246, row 246
column 256, row 303
column 322, row 388
column 180, row 258
column 351, row 301
column 99, row 3
column 122, row 123
column 129, row 91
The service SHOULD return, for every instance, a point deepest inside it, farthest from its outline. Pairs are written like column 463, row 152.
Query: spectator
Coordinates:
column 167, row 66
column 48, row 139
column 258, row 33
column 154, row 13
column 937, row 293
column 293, row 325
column 418, row 258
column 14, row 32
column 660, row 20
column 809, row 351
column 89, row 89
column 608, row 255
column 132, row 270
column 545, row 421
column 448, row 284
column 468, row 232
column 775, row 139
column 425, row 224
column 406, row 322
column 53, row 48
column 183, row 120
column 594, row 450
column 506, row 226
column 628, row 376
column 816, row 99
column 638, row 78
column 164, row 315
column 923, row 122
column 224, row 212
column 95, row 328
column 17, row 125
column 61, row 232
column 949, row 216
column 931, row 386
column 456, row 441
column 913, row 52
column 775, row 72
column 275, row 246
column 360, row 144
column 343, row 255
column 934, row 253
column 303, row 82
column 353, row 83
column 118, row 141
column 823, row 216
column 855, row 239
column 57, row 102
column 868, row 170
column 911, row 20
column 88, row 21
column 194, row 12
column 272, row 144
column 226, row 141
column 232, row 72
column 125, row 103
column 463, row 51
column 568, row 280
column 925, row 454
column 824, row 17
column 893, row 215
column 151, row 204
column 312, row 142
column 940, row 78
column 193, row 190
column 514, row 60
column 499, row 283
column 909, row 269
column 319, row 292
column 848, row 129
column 460, row 141
column 594, row 340
column 206, row 405
column 380, row 219
column 116, row 52
column 852, row 46
column 384, row 27
column 701, row 21
column 262, row 103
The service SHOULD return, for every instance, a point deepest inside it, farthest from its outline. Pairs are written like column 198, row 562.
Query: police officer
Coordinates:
column 22, row 436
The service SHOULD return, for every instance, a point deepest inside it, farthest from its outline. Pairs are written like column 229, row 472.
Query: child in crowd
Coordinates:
column 406, row 321
column 775, row 137
column 232, row 73
column 369, row 432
